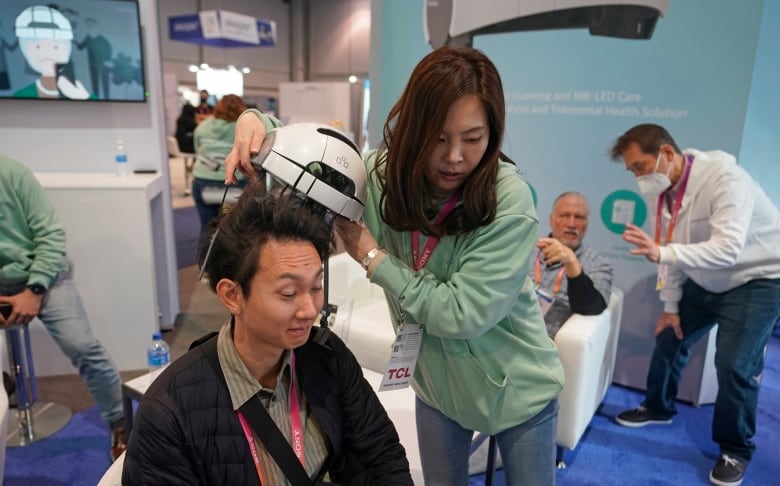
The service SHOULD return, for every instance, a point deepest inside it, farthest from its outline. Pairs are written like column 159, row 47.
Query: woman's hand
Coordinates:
column 250, row 133
column 357, row 239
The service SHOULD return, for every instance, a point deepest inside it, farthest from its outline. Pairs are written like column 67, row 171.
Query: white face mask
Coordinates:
column 654, row 183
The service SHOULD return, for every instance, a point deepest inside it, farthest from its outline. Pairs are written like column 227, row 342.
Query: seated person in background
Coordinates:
column 213, row 140
column 588, row 284
column 192, row 426
column 36, row 281
column 185, row 128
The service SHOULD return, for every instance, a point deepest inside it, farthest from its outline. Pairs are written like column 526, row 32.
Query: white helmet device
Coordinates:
column 319, row 162
column 43, row 22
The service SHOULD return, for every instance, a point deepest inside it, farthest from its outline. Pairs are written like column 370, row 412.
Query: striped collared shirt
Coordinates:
column 243, row 387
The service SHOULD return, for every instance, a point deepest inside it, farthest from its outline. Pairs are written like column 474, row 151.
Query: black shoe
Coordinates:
column 640, row 416
column 728, row 471
column 118, row 443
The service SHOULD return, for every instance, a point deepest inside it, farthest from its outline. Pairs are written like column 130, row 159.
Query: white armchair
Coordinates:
column 113, row 475
column 587, row 345
column 370, row 332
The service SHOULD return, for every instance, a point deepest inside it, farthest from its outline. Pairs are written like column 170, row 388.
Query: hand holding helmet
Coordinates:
column 250, row 133
column 319, row 162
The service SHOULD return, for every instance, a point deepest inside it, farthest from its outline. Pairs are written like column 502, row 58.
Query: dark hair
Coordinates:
column 648, row 136
column 188, row 111
column 256, row 219
column 412, row 129
column 229, row 108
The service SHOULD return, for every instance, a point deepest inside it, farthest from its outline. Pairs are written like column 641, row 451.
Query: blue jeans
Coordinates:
column 62, row 313
column 527, row 450
column 745, row 316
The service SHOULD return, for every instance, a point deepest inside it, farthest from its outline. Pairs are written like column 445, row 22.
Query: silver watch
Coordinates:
column 366, row 259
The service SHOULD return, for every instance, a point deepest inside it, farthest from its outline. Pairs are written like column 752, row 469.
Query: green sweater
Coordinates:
column 32, row 240
column 485, row 360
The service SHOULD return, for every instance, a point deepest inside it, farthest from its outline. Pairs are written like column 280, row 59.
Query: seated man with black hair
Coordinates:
column 196, row 422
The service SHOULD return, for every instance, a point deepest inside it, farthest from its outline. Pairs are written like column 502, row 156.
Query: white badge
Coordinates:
column 403, row 358
column 663, row 275
column 545, row 300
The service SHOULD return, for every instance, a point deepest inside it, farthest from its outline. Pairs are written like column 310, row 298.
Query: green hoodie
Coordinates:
column 485, row 359
column 32, row 240
column 213, row 139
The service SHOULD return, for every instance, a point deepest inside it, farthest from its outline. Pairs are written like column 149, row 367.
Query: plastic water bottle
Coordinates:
column 158, row 353
column 120, row 158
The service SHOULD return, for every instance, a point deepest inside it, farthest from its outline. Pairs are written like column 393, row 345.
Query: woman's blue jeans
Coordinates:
column 745, row 316
column 527, row 450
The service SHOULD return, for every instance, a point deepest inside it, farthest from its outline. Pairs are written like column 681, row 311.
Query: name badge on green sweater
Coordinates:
column 403, row 358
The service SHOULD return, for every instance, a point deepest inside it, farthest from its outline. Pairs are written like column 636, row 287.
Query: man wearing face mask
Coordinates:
column 716, row 241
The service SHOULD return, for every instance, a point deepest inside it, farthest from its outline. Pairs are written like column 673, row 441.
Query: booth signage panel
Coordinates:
column 220, row 28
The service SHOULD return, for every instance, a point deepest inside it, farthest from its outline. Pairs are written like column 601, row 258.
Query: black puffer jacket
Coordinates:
column 186, row 432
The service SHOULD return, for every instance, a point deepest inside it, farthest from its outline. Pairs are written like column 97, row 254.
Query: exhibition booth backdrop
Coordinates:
column 569, row 95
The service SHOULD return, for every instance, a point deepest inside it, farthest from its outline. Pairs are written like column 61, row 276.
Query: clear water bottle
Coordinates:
column 158, row 353
column 120, row 158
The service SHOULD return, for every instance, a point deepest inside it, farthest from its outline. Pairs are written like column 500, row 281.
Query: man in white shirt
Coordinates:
column 717, row 245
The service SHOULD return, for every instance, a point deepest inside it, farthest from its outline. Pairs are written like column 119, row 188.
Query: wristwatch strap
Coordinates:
column 366, row 259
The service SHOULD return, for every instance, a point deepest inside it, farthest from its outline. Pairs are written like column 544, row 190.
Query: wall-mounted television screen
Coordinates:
column 88, row 50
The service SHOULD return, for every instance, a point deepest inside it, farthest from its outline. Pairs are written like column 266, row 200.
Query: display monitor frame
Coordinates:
column 72, row 50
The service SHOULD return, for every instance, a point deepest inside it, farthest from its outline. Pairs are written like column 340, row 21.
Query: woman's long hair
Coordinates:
column 413, row 128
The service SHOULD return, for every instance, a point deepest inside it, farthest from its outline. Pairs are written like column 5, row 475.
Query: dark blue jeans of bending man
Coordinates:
column 745, row 316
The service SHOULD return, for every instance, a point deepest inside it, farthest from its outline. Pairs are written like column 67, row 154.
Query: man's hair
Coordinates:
column 413, row 128
column 256, row 219
column 570, row 193
column 229, row 108
column 648, row 136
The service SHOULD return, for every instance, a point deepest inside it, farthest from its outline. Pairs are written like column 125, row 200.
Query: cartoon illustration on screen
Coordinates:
column 99, row 57
column 5, row 82
column 46, row 41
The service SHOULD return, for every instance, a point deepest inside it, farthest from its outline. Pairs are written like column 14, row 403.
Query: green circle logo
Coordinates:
column 623, row 207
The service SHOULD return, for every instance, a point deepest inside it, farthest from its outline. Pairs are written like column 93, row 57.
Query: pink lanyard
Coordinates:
column 675, row 209
column 538, row 274
column 295, row 426
column 421, row 260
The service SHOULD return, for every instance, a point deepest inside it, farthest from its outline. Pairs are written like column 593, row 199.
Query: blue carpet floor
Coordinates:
column 678, row 454
column 186, row 230
column 76, row 455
